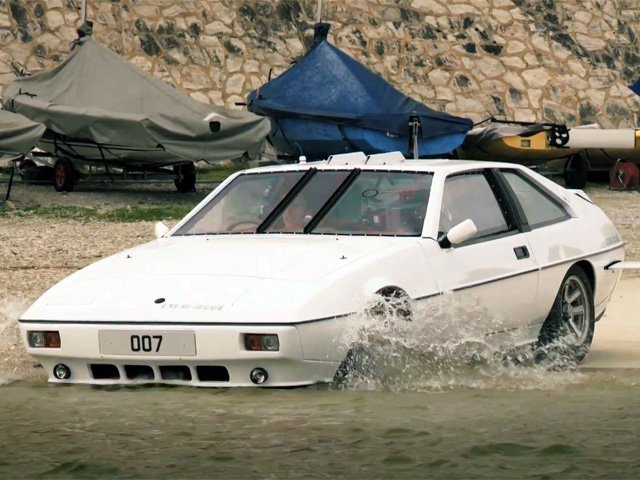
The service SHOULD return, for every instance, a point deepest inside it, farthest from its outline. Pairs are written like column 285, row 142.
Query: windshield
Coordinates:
column 348, row 202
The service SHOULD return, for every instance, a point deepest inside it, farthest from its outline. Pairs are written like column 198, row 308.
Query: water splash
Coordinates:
column 444, row 347
column 15, row 363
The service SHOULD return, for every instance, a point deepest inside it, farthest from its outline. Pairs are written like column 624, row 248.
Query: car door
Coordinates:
column 493, row 276
column 551, row 232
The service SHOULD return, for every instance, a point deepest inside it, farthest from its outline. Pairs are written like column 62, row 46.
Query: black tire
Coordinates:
column 185, row 180
column 28, row 170
column 65, row 175
column 570, row 325
column 395, row 303
column 360, row 362
column 576, row 171
column 364, row 361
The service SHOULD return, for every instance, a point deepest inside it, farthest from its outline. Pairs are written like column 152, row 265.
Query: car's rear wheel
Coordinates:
column 569, row 328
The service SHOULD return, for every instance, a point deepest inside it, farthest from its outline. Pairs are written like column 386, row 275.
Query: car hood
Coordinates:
column 205, row 279
column 301, row 258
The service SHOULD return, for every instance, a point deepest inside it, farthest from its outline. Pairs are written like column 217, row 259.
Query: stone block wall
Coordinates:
column 534, row 60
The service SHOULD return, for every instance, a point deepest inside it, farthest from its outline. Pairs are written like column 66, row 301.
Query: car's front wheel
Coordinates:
column 392, row 303
column 370, row 358
column 570, row 325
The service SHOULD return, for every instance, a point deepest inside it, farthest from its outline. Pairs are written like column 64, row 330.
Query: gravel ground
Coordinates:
column 101, row 195
column 37, row 252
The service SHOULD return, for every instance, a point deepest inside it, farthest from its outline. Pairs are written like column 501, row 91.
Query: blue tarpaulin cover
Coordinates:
column 635, row 88
column 328, row 85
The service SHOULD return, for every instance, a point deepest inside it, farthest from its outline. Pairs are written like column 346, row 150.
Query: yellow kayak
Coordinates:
column 527, row 145
column 575, row 151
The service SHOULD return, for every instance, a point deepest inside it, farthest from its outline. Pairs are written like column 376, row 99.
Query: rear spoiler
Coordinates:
column 618, row 265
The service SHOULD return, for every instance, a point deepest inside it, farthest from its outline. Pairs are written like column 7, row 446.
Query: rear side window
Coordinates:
column 539, row 207
column 470, row 196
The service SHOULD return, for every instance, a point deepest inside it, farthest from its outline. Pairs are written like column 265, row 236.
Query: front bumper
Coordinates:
column 220, row 359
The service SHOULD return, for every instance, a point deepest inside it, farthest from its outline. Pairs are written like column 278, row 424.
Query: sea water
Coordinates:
column 413, row 405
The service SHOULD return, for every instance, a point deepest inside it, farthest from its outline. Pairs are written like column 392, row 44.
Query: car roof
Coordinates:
column 396, row 162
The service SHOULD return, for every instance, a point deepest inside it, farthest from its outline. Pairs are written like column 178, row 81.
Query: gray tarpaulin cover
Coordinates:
column 97, row 95
column 18, row 134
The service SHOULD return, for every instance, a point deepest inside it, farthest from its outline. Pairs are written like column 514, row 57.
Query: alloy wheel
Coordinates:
column 576, row 311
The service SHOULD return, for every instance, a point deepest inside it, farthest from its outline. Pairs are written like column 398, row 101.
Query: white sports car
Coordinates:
column 257, row 284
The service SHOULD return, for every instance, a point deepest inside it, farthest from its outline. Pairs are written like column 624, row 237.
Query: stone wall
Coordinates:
column 552, row 60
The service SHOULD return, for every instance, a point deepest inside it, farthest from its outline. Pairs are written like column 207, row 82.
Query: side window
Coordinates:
column 539, row 208
column 470, row 196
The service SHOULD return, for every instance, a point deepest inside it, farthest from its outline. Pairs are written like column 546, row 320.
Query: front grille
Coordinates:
column 104, row 371
column 207, row 373
column 175, row 372
column 179, row 373
column 139, row 372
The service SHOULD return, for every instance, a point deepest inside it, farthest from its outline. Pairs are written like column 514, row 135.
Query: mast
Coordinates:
column 319, row 12
column 83, row 12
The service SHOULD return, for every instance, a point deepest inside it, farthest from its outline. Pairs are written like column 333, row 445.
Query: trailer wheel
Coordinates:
column 65, row 175
column 185, row 180
column 28, row 170
column 576, row 170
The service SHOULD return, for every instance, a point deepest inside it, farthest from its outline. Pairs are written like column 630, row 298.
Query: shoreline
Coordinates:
column 616, row 342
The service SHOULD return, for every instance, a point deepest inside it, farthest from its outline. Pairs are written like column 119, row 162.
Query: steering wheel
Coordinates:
column 244, row 226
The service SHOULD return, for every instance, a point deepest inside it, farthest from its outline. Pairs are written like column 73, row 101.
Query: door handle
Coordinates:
column 521, row 252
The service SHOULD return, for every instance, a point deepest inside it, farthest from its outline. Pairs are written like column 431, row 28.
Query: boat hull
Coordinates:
column 602, row 147
column 318, row 140
column 526, row 150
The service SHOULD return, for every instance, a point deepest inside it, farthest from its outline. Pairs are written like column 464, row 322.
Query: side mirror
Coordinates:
column 458, row 234
column 160, row 229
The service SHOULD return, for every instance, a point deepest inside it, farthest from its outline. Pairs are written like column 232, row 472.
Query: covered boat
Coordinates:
column 328, row 103
column 18, row 134
column 520, row 142
column 527, row 143
column 99, row 107
column 575, row 150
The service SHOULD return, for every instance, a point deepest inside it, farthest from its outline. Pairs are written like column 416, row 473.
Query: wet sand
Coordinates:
column 616, row 343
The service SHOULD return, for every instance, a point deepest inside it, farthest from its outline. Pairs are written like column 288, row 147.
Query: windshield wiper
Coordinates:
column 288, row 198
column 313, row 223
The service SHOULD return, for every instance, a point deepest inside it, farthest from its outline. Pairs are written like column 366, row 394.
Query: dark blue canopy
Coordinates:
column 328, row 85
column 635, row 88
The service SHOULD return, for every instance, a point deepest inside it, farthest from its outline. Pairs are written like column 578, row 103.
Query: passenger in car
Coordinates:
column 295, row 217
